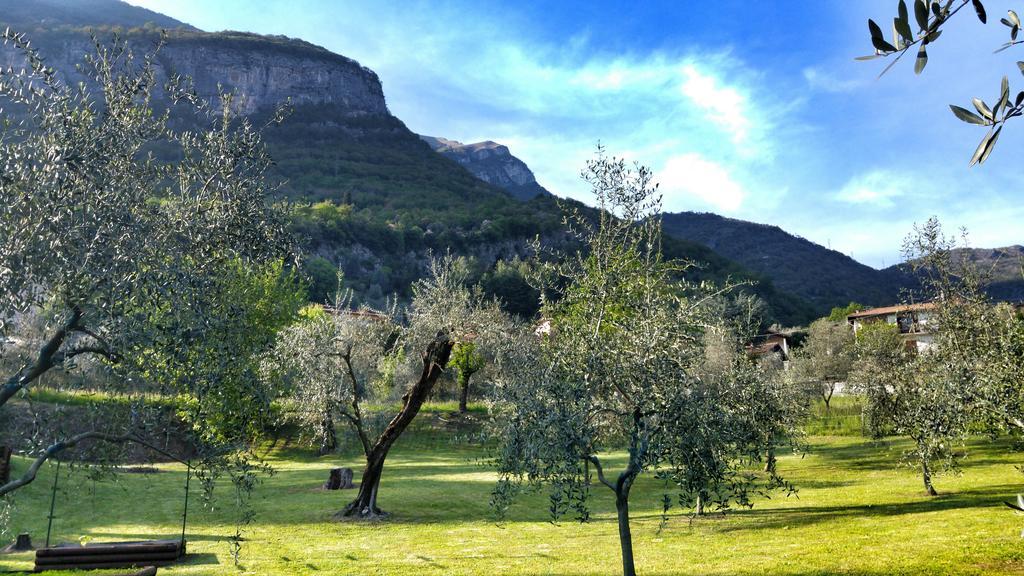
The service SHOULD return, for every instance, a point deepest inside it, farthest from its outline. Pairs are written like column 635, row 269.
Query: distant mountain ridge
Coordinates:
column 825, row 277
column 493, row 163
column 1001, row 268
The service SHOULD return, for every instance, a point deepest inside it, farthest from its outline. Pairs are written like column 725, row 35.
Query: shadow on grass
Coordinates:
column 793, row 516
column 887, row 453
column 805, row 484
column 200, row 559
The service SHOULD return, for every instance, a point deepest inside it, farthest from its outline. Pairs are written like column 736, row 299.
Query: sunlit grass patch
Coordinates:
column 858, row 511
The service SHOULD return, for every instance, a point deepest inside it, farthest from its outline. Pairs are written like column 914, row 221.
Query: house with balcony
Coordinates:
column 911, row 320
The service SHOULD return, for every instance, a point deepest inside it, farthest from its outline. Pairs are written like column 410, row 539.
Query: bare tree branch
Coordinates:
column 57, row 448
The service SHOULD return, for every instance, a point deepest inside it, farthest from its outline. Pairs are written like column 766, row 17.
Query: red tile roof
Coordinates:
column 892, row 310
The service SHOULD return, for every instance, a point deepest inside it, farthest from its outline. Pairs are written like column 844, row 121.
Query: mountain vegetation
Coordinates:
column 367, row 196
column 824, row 277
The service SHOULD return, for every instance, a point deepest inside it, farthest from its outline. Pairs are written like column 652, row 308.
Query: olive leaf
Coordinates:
column 980, row 10
column 877, row 40
column 1004, row 96
column 921, row 14
column 922, row 60
column 983, row 109
column 967, row 115
column 985, row 147
column 902, row 23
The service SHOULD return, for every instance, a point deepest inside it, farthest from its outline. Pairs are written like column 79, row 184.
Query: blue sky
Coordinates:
column 748, row 109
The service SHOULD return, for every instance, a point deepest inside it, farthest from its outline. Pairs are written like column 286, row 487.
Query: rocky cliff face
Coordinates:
column 493, row 163
column 263, row 70
column 268, row 71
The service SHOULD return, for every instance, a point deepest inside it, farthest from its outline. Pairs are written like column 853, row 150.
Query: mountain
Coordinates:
column 369, row 196
column 828, row 278
column 1004, row 268
column 29, row 15
column 1000, row 264
column 824, row 277
column 1001, row 268
column 492, row 163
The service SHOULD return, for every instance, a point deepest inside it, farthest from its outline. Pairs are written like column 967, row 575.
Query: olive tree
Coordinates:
column 936, row 396
column 617, row 363
column 721, row 437
column 340, row 361
column 466, row 361
column 204, row 388
column 908, row 394
column 882, row 358
column 826, row 357
column 113, row 223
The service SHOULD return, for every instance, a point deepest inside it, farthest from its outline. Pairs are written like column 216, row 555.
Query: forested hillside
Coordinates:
column 368, row 196
column 824, row 277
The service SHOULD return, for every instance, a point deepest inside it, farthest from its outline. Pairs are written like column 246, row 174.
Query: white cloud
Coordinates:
column 724, row 105
column 690, row 177
column 878, row 188
column 818, row 79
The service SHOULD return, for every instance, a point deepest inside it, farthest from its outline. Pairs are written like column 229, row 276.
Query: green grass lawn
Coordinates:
column 857, row 512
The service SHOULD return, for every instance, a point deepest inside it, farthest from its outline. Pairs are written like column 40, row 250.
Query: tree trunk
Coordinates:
column 5, row 465
column 769, row 464
column 700, row 504
column 330, row 437
column 365, row 504
column 434, row 360
column 625, row 536
column 44, row 361
column 464, row 395
column 926, row 475
column 826, row 395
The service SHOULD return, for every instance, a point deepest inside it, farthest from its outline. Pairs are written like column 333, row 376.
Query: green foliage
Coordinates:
column 217, row 367
column 81, row 233
column 151, row 248
column 323, row 278
column 826, row 357
column 623, row 363
column 881, row 354
column 466, row 360
column 839, row 313
column 508, row 282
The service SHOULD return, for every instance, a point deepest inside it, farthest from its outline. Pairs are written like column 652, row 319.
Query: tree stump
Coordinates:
column 5, row 464
column 340, row 479
column 21, row 544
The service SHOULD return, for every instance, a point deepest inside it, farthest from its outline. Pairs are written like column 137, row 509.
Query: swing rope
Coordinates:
column 184, row 512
